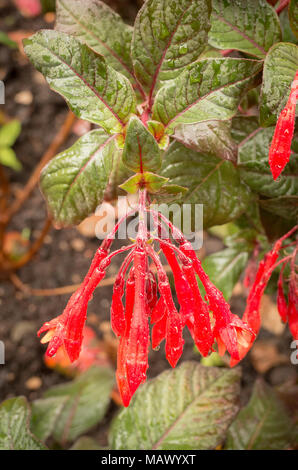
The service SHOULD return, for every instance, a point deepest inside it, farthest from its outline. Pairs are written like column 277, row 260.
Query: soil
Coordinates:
column 61, row 261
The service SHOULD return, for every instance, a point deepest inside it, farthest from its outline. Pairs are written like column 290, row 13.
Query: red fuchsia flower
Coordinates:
column 142, row 296
column 288, row 311
column 280, row 149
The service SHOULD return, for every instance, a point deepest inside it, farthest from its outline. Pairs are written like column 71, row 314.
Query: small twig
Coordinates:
column 5, row 190
column 48, row 155
column 58, row 290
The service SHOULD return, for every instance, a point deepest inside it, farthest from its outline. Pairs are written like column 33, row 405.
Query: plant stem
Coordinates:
column 48, row 155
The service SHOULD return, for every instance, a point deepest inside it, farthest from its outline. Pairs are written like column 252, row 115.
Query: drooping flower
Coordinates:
column 267, row 265
column 280, row 149
column 142, row 295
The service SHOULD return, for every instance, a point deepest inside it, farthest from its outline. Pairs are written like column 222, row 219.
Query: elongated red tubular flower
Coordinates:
column 228, row 329
column 151, row 292
column 121, row 372
column 201, row 328
column 280, row 149
column 67, row 329
column 159, row 329
column 138, row 337
column 282, row 305
column 117, row 308
column 293, row 306
column 183, row 290
column 174, row 327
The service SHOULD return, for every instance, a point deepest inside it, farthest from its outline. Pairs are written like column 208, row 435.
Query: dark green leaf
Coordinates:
column 98, row 26
column 225, row 267
column 285, row 206
column 14, row 426
column 262, row 425
column 93, row 90
column 242, row 126
column 213, row 182
column 250, row 26
column 211, row 137
column 255, row 171
column 141, row 151
column 210, row 89
column 293, row 16
column 280, row 67
column 187, row 408
column 74, row 182
column 87, row 398
column 168, row 35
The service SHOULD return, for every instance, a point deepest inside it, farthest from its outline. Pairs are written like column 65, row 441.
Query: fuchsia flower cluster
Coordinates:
column 148, row 299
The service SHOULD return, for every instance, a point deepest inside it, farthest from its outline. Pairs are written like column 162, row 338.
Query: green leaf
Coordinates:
column 211, row 137
column 14, row 426
column 293, row 16
column 168, row 35
column 75, row 181
column 186, row 408
column 242, row 126
column 141, row 151
column 285, row 206
column 213, row 182
column 210, row 89
column 152, row 182
column 250, row 26
column 87, row 398
column 98, row 26
column 86, row 443
column 225, row 267
column 262, row 425
column 280, row 67
column 93, row 90
column 9, row 133
column 9, row 158
column 4, row 39
column 255, row 171
column 45, row 413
